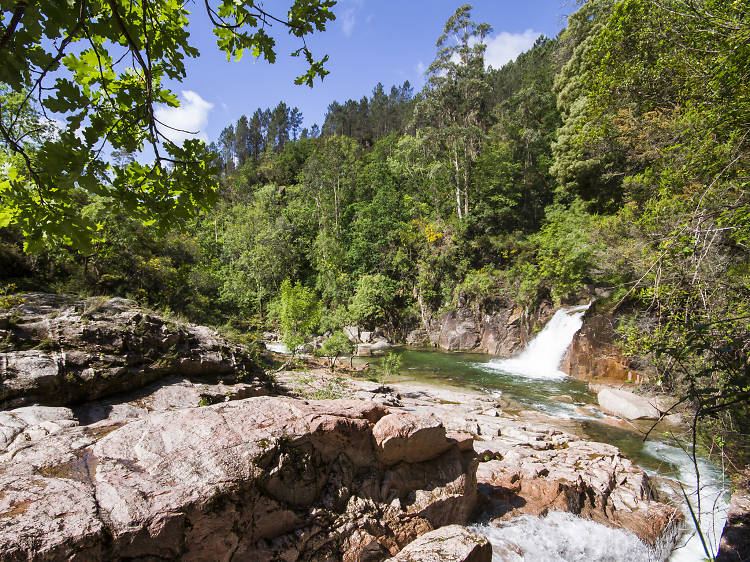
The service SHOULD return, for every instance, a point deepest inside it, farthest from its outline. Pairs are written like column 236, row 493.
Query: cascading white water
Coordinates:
column 276, row 347
column 562, row 537
column 714, row 501
column 541, row 358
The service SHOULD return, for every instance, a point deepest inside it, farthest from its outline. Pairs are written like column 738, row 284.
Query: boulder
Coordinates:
column 627, row 405
column 452, row 543
column 261, row 478
column 60, row 351
column 380, row 346
column 409, row 438
column 352, row 333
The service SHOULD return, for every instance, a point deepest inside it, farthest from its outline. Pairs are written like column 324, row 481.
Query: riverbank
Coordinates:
column 108, row 406
column 531, row 463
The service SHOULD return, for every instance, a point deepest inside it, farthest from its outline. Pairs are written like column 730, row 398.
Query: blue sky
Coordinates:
column 371, row 41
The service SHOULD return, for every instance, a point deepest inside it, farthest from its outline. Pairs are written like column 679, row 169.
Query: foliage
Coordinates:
column 372, row 300
column 452, row 113
column 101, row 67
column 7, row 298
column 298, row 311
column 389, row 367
column 335, row 345
column 566, row 249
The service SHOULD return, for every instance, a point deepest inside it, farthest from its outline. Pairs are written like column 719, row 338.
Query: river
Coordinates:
column 532, row 381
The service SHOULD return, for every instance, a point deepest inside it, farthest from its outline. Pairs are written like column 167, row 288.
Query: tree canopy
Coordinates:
column 96, row 69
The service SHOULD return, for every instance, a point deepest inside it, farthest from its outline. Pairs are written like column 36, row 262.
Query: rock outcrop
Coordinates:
column 594, row 354
column 534, row 471
column 59, row 351
column 529, row 467
column 452, row 543
column 504, row 332
column 735, row 539
column 261, row 478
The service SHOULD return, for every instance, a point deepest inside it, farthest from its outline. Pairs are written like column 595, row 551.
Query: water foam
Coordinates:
column 713, row 501
column 562, row 537
column 541, row 358
column 276, row 347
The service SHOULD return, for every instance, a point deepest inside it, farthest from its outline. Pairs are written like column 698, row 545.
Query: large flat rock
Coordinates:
column 452, row 543
column 627, row 405
column 260, row 478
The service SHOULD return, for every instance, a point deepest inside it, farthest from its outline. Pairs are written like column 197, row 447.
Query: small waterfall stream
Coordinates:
column 541, row 358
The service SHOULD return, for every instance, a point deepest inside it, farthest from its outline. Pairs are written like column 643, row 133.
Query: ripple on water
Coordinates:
column 563, row 537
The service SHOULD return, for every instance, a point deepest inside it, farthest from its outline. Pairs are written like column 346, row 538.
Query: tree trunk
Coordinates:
column 458, row 181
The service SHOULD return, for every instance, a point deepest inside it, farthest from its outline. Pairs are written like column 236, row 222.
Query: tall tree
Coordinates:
column 242, row 141
column 226, row 145
column 256, row 135
column 453, row 113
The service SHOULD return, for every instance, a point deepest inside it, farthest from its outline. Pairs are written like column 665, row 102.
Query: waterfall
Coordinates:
column 541, row 358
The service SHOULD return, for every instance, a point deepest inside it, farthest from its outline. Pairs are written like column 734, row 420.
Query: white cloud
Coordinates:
column 191, row 118
column 505, row 47
column 349, row 19
column 421, row 68
column 349, row 16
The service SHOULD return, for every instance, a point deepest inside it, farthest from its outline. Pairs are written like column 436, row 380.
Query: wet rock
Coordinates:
column 261, row 478
column 627, row 405
column 735, row 539
column 452, row 543
column 594, row 352
column 63, row 350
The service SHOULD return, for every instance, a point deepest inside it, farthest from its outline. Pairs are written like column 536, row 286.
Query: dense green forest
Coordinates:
column 614, row 156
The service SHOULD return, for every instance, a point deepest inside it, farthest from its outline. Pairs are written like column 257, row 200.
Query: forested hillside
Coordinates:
column 612, row 157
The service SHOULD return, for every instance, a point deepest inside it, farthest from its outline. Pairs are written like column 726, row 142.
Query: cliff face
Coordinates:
column 503, row 332
column 594, row 352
